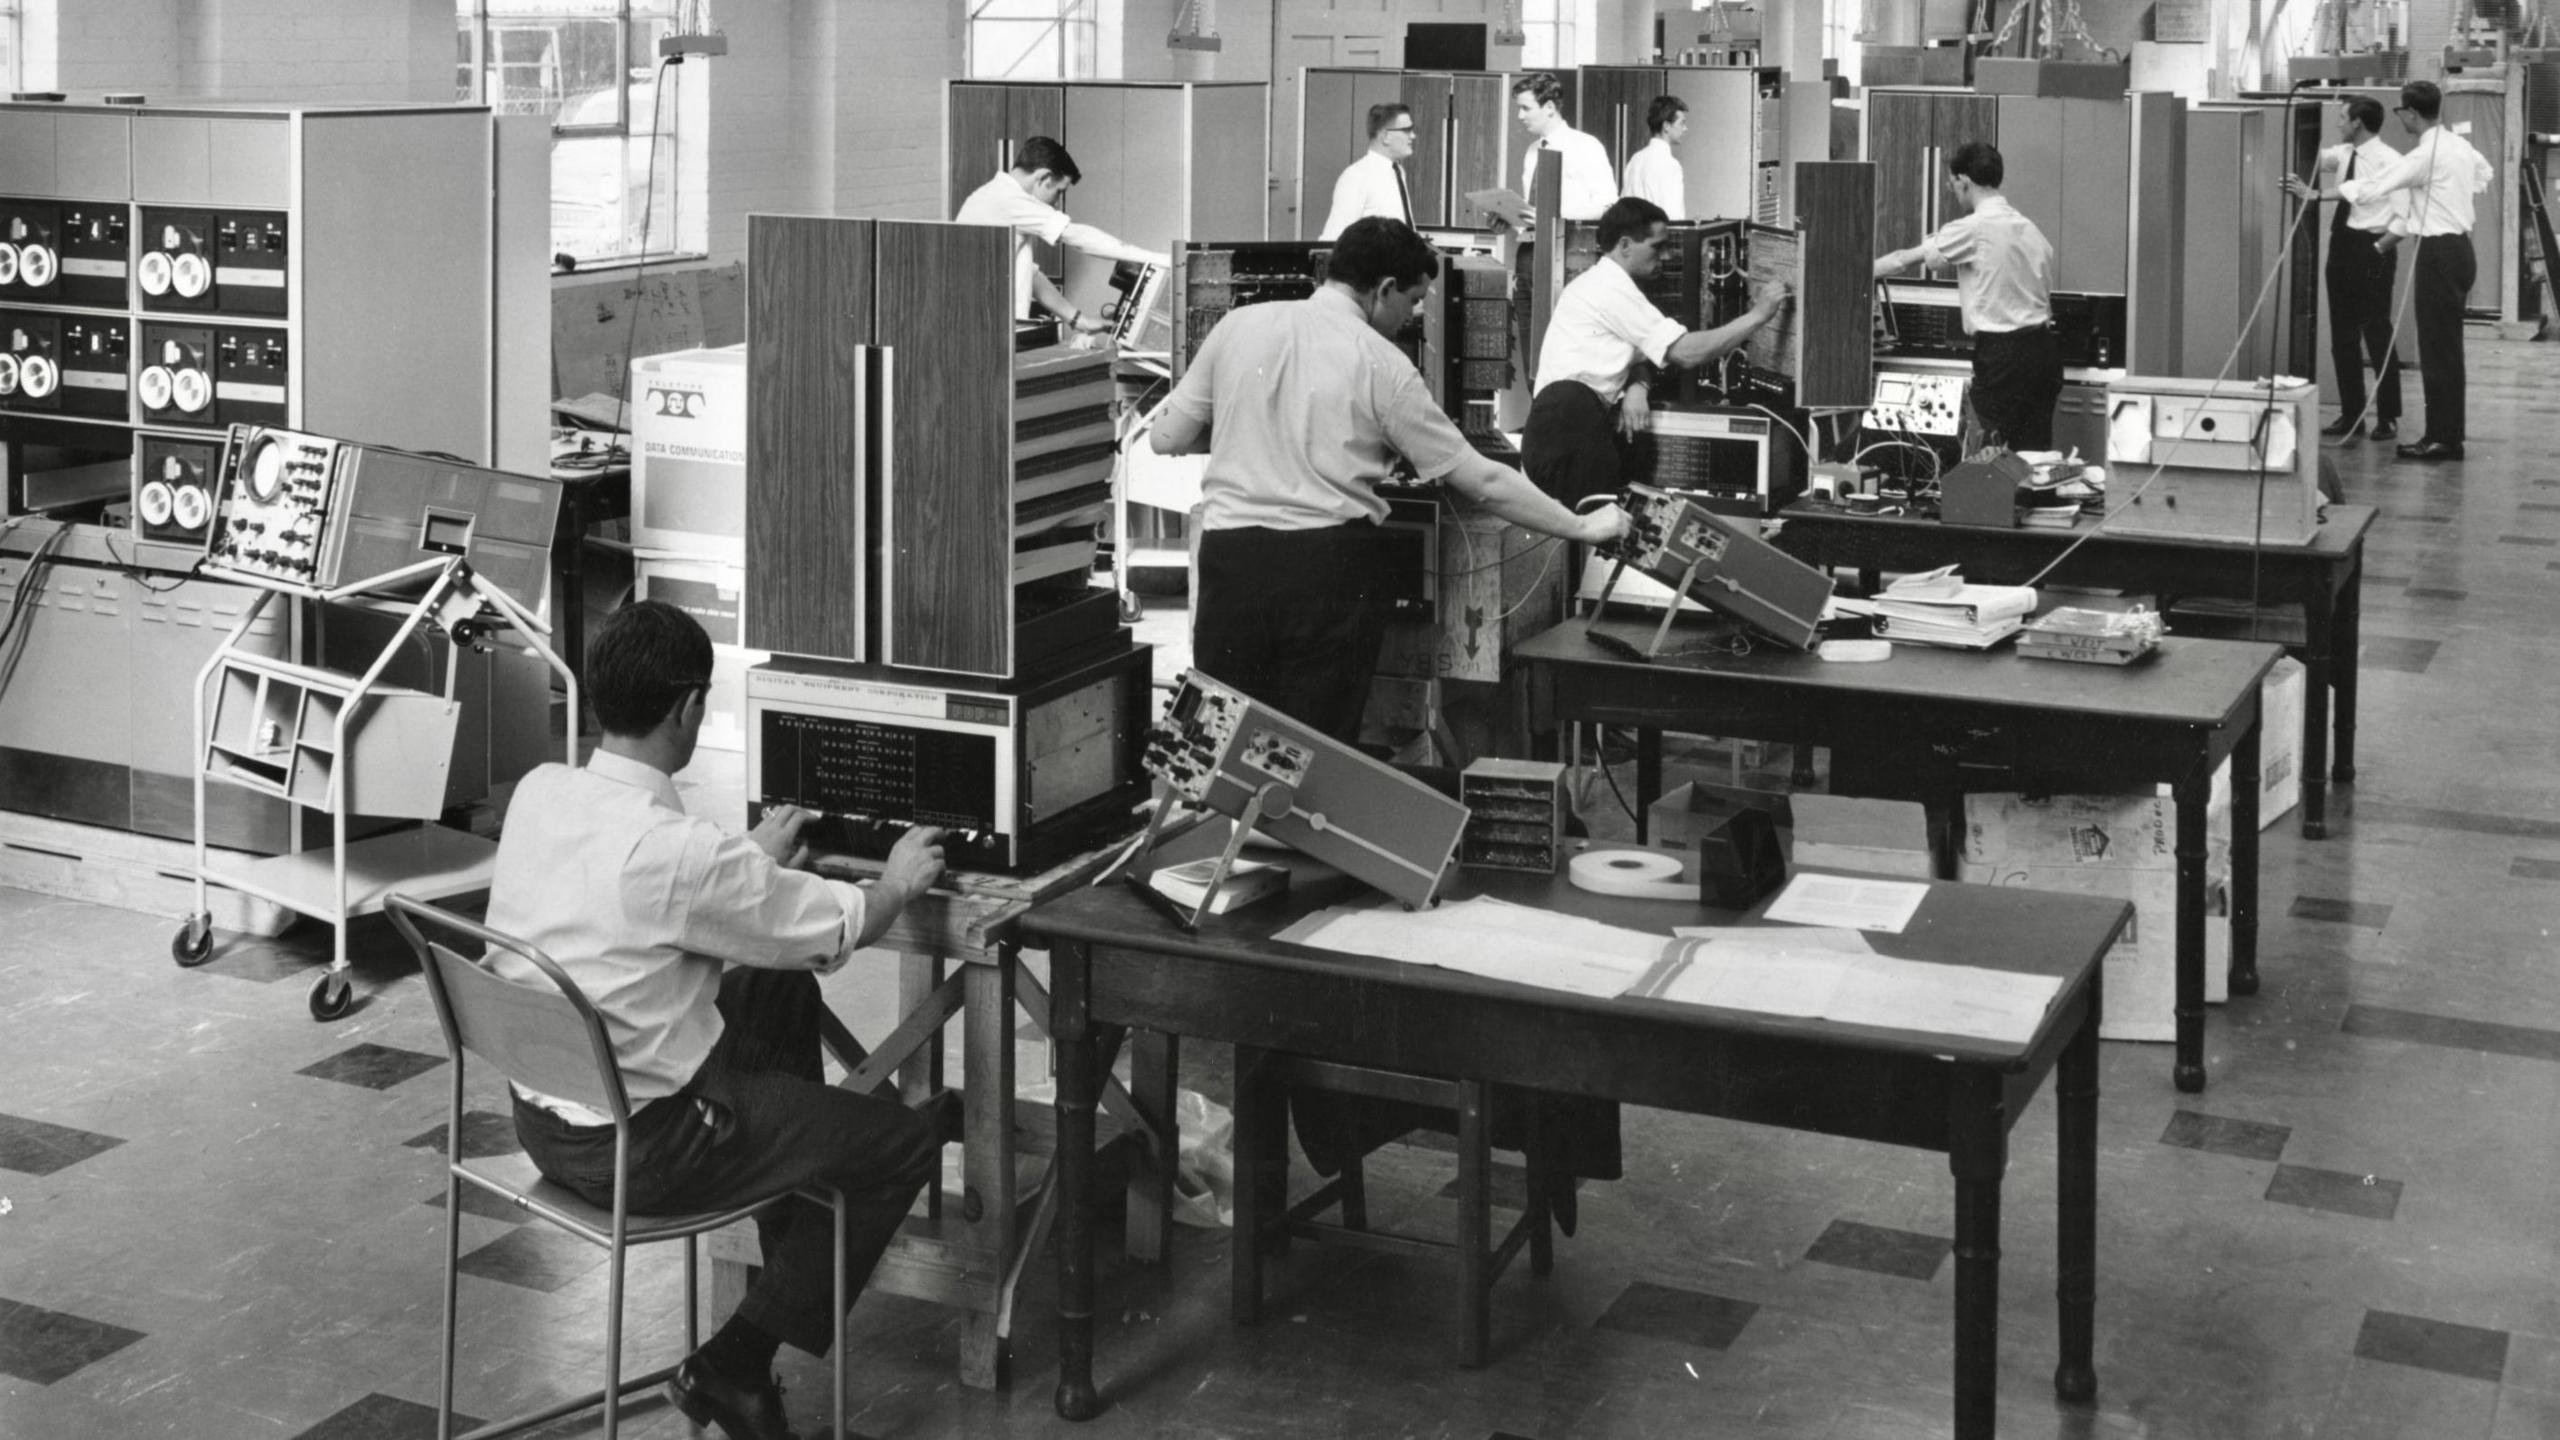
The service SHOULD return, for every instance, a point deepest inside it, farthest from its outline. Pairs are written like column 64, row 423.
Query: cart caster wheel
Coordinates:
column 332, row 997
column 193, row 944
column 1132, row 609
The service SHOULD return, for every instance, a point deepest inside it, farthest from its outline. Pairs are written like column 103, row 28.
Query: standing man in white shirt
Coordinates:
column 2360, row 271
column 1303, row 406
column 1653, row 173
column 1588, row 186
column 701, row 949
column 1025, row 199
column 2004, row 288
column 1589, row 397
column 2441, row 174
column 1375, row 184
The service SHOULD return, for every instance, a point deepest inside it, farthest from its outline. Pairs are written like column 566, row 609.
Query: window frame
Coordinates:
column 1066, row 22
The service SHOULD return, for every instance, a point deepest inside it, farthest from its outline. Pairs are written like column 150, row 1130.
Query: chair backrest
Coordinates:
column 545, row 1038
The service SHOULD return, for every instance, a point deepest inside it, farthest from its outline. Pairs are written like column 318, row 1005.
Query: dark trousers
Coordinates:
column 1570, row 447
column 1291, row 618
column 2359, row 280
column 756, row 1118
column 2017, row 380
column 2442, row 286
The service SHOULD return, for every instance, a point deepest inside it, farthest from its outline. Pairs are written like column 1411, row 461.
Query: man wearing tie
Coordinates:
column 2442, row 173
column 2359, row 272
column 1375, row 184
column 1588, row 184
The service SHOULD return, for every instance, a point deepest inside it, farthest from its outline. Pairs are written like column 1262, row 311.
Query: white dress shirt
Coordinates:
column 1003, row 201
column 1653, row 173
column 1588, row 185
column 2441, row 173
column 1602, row 323
column 1307, row 408
column 2003, row 264
column 1366, row 186
column 600, row 869
column 2374, row 213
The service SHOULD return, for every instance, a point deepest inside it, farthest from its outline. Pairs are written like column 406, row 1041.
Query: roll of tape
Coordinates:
column 1636, row 874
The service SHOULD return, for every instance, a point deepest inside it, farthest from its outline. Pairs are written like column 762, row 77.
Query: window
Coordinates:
column 1562, row 33
column 12, row 71
column 591, row 66
column 1033, row 39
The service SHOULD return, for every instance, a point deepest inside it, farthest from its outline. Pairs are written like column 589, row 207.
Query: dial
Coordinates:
column 265, row 469
column 153, row 385
column 191, row 275
column 192, row 507
column 156, row 502
column 152, row 274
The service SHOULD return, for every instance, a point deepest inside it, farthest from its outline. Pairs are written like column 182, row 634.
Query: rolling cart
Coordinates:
column 348, row 744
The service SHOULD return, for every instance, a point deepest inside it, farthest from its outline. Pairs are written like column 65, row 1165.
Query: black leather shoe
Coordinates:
column 2338, row 431
column 2430, row 450
column 742, row 1412
column 2387, row 430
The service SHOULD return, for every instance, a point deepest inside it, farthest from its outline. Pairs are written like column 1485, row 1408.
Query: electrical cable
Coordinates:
column 648, row 204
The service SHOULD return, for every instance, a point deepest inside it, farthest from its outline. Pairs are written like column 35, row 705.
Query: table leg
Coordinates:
column 921, row 1075
column 2320, row 664
column 1802, row 775
column 987, row 1199
column 2192, row 795
column 2246, row 787
column 1152, row 1060
column 1475, row 1227
column 2348, row 663
column 2075, row 1377
column 1978, row 1155
column 1648, row 776
column 1244, row 1242
column 1080, row 1072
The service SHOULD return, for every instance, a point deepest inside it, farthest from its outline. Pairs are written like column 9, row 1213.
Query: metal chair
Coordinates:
column 551, row 1039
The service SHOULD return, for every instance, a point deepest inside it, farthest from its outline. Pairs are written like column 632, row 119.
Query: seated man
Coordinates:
column 702, row 951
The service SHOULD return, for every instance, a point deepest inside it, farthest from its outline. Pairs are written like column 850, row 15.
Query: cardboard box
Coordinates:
column 689, row 453
column 1675, row 821
column 712, row 593
column 2124, row 847
column 1875, row 837
column 2280, row 702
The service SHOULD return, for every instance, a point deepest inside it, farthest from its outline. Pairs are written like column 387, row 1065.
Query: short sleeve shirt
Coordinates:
column 1001, row 201
column 1602, row 325
column 2003, row 264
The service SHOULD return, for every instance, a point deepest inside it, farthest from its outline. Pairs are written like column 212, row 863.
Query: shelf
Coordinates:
column 275, row 730
column 427, row 863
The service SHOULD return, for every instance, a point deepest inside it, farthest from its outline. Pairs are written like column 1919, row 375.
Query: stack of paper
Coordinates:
column 1247, row 881
column 1941, row 609
column 2098, row 637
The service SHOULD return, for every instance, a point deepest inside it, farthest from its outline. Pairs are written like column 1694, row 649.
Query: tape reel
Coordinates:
column 156, row 502
column 1634, row 874
column 191, row 275
column 8, row 374
column 153, row 385
column 36, row 265
column 38, row 375
column 193, row 390
column 152, row 272
column 8, row 265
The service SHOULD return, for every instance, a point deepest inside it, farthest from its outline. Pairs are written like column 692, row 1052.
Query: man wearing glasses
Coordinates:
column 1375, row 184
column 2442, row 173
column 1590, row 395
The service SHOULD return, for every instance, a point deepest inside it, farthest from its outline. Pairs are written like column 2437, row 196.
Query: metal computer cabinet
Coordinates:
column 810, row 390
column 1731, row 142
column 2236, row 212
column 1909, row 134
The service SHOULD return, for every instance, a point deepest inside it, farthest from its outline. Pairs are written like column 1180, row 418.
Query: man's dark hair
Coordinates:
column 1979, row 162
column 1629, row 217
column 2365, row 111
column 1541, row 88
column 1042, row 153
column 1386, row 113
column 2423, row 97
column 641, row 661
column 1377, row 248
column 1664, row 110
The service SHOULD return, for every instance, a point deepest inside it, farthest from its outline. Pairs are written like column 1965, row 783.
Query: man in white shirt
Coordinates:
column 701, row 949
column 2359, row 273
column 2441, row 174
column 1589, row 396
column 1375, row 184
column 1588, row 186
column 1303, row 407
column 2004, row 286
column 1025, row 199
column 1653, row 173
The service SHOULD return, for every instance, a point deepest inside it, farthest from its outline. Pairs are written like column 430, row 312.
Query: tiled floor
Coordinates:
column 219, row 1219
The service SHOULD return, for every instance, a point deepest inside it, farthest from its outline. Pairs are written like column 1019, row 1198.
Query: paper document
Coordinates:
column 1503, row 204
column 1848, row 902
column 1794, row 937
column 1490, row 938
column 1770, row 971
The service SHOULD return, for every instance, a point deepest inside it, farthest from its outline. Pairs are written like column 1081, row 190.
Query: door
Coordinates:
column 1300, row 50
column 2090, row 248
column 974, row 148
column 1718, row 166
column 1114, row 171
column 1898, row 141
column 1427, row 173
column 1613, row 103
column 1479, row 127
